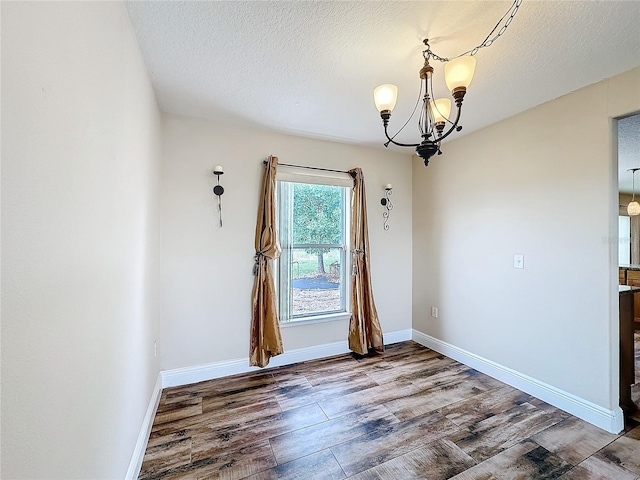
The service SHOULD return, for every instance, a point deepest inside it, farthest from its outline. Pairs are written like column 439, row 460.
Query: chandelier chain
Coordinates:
column 488, row 41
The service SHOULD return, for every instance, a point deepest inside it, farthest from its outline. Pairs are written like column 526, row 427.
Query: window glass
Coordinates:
column 312, row 228
column 624, row 236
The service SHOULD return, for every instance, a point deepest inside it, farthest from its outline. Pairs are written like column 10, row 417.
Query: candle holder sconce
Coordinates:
column 386, row 203
column 218, row 190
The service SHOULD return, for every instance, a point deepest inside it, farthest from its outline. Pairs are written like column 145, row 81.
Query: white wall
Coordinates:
column 207, row 271
column 542, row 184
column 80, row 163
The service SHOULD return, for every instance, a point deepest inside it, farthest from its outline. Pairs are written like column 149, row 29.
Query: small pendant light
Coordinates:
column 634, row 207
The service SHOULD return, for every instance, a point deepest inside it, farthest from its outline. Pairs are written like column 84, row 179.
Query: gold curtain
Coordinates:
column 266, row 341
column 364, row 328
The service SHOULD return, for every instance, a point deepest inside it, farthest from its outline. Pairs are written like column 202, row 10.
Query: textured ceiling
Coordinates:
column 309, row 67
column 628, row 152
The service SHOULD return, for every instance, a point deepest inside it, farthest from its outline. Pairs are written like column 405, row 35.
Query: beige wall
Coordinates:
column 543, row 184
column 80, row 164
column 207, row 271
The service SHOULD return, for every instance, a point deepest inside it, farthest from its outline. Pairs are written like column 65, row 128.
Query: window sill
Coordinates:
column 332, row 317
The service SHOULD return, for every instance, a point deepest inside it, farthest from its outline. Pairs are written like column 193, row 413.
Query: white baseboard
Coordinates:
column 141, row 445
column 609, row 420
column 201, row 373
column 399, row 336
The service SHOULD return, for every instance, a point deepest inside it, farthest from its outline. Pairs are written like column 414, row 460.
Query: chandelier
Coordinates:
column 435, row 113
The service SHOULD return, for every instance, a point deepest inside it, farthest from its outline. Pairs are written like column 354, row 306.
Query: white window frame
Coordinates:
column 300, row 175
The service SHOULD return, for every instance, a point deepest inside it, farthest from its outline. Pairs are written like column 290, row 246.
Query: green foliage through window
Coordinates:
column 317, row 217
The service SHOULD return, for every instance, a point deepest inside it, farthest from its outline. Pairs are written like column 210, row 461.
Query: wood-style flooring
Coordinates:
column 407, row 413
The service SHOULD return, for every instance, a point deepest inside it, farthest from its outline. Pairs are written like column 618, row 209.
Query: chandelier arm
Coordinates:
column 454, row 125
column 412, row 114
column 446, row 119
column 397, row 143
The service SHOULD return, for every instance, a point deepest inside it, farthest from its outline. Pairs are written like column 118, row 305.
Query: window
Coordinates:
column 624, row 240
column 313, row 232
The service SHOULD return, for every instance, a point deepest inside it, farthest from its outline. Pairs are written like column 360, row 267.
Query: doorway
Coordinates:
column 629, row 260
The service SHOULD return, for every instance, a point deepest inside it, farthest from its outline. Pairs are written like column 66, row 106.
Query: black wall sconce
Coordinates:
column 218, row 190
column 386, row 203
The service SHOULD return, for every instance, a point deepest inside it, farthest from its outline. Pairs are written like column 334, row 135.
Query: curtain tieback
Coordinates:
column 354, row 253
column 256, row 258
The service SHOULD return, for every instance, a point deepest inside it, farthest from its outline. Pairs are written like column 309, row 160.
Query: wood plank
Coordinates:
column 347, row 371
column 406, row 371
column 304, row 441
column 574, row 440
column 179, row 412
column 232, row 465
column 405, row 357
column 323, row 392
column 625, row 451
column 240, row 434
column 336, row 407
column 439, row 460
column 156, row 440
column 467, row 384
column 241, row 397
column 495, row 434
column 327, row 365
column 319, row 466
column 484, row 405
column 525, row 460
column 595, row 468
column 218, row 418
column 384, row 444
column 160, row 459
column 423, row 374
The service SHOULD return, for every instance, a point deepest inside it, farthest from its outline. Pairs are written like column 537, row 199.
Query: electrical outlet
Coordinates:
column 518, row 261
column 434, row 312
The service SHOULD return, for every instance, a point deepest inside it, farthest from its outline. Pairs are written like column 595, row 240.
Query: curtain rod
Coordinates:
column 312, row 168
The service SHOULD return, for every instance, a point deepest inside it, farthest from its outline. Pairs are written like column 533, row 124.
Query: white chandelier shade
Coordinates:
column 385, row 97
column 458, row 72
column 441, row 109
